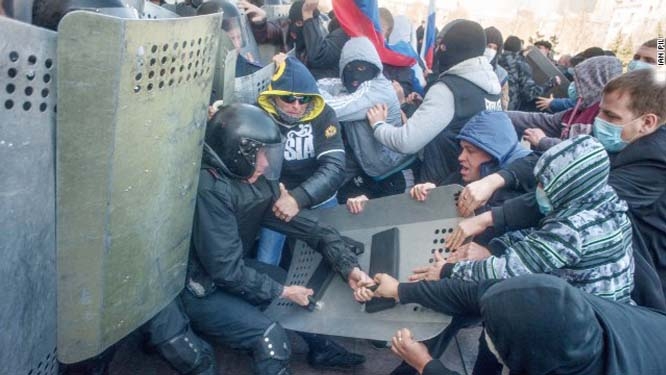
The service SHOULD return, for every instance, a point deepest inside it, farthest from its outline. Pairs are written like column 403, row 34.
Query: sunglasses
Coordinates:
column 292, row 98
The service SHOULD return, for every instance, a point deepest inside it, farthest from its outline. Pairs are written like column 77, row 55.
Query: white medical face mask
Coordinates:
column 490, row 54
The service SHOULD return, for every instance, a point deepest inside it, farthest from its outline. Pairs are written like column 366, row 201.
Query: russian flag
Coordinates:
column 361, row 18
column 429, row 37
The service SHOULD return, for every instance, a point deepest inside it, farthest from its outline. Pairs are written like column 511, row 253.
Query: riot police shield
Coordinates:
column 225, row 67
column 131, row 119
column 397, row 234
column 246, row 89
column 276, row 11
column 27, row 199
column 19, row 9
column 543, row 70
column 154, row 12
column 248, row 46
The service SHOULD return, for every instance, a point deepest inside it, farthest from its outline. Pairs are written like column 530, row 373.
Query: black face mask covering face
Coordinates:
column 296, row 36
column 357, row 72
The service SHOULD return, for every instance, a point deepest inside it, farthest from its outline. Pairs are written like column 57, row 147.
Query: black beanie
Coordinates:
column 513, row 44
column 494, row 36
column 464, row 40
column 296, row 11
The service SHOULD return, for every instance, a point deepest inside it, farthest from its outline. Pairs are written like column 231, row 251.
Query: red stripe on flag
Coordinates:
column 356, row 23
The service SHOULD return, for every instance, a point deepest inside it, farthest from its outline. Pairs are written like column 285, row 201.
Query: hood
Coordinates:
column 541, row 325
column 493, row 133
column 493, row 35
column 592, row 75
column 574, row 174
column 362, row 49
column 478, row 71
column 292, row 78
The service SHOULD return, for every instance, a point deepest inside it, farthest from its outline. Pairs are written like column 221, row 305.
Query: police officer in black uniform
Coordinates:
column 226, row 290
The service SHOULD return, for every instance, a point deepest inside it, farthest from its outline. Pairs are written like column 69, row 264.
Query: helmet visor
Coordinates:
column 269, row 160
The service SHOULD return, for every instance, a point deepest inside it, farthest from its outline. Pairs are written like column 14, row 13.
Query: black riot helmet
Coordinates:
column 244, row 138
column 48, row 13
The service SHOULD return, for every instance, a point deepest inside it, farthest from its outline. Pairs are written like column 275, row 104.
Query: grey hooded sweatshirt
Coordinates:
column 437, row 109
column 371, row 156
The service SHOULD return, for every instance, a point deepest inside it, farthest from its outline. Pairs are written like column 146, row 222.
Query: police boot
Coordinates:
column 271, row 352
column 188, row 354
column 326, row 354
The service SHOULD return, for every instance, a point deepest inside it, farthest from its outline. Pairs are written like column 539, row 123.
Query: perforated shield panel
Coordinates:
column 248, row 88
column 274, row 12
column 154, row 12
column 423, row 229
column 27, row 199
column 131, row 119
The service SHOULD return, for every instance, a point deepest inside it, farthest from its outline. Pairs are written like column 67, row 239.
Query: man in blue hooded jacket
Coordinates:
column 488, row 144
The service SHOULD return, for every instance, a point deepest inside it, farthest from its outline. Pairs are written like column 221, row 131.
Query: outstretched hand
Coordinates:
column 534, row 136
column 467, row 228
column 429, row 272
column 543, row 103
column 254, row 13
column 387, row 287
column 297, row 294
column 420, row 191
column 377, row 113
column 359, row 279
column 470, row 251
column 412, row 352
column 356, row 205
column 477, row 193
column 286, row 207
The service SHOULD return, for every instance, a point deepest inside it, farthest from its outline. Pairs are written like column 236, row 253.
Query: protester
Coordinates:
column 629, row 125
column 543, row 130
column 314, row 155
column 467, row 86
column 535, row 324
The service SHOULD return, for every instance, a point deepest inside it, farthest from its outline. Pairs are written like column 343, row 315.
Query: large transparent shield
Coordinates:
column 225, row 66
column 154, row 12
column 249, row 47
column 422, row 227
column 244, row 89
column 27, row 199
column 131, row 121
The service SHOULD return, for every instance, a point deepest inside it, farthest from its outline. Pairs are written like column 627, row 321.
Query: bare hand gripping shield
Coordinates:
column 399, row 228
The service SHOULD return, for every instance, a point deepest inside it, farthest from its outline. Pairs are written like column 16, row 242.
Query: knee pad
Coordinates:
column 189, row 354
column 273, row 344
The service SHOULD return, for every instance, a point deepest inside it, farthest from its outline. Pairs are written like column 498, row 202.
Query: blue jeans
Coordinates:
column 271, row 243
